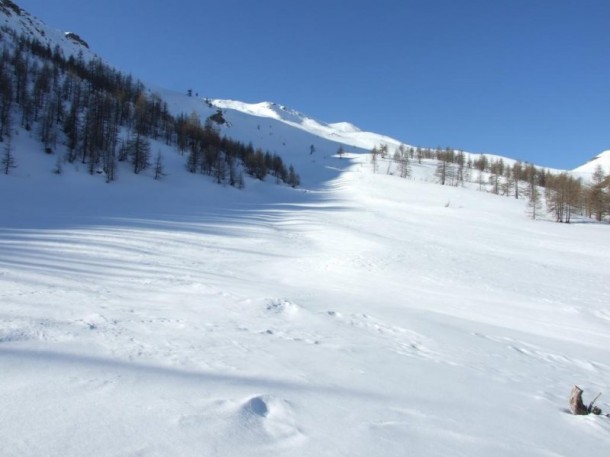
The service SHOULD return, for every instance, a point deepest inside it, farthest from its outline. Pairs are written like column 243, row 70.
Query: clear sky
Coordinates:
column 527, row 79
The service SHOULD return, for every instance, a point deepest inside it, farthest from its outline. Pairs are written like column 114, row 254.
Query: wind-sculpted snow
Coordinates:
column 365, row 315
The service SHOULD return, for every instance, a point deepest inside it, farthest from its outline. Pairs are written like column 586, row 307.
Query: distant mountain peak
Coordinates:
column 343, row 134
column 602, row 159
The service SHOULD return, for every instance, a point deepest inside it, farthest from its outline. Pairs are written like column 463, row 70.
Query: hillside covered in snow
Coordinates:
column 367, row 315
column 369, row 311
column 601, row 160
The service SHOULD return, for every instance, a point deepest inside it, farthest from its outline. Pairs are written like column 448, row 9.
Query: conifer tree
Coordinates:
column 159, row 167
column 110, row 164
column 8, row 158
column 6, row 100
column 293, row 179
column 139, row 152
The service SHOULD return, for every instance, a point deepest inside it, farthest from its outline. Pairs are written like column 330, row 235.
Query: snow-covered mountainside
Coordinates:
column 19, row 20
column 369, row 316
column 302, row 140
column 601, row 160
column 267, row 125
column 342, row 133
column 359, row 315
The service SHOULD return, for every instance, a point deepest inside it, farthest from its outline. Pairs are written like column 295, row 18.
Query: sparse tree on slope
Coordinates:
column 8, row 158
column 159, row 168
column 404, row 163
column 563, row 195
column 6, row 100
column 139, row 151
column 374, row 160
column 495, row 169
column 460, row 160
column 597, row 194
column 293, row 178
column 445, row 171
column 517, row 176
column 441, row 172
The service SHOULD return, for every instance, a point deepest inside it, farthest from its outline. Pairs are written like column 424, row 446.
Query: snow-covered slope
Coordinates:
column 369, row 316
column 362, row 315
column 266, row 125
column 342, row 133
column 602, row 160
column 19, row 20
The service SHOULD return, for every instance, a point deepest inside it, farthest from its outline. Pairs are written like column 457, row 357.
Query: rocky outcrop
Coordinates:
column 77, row 39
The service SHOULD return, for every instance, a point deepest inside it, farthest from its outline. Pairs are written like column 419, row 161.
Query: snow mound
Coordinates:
column 345, row 127
column 284, row 307
column 266, row 418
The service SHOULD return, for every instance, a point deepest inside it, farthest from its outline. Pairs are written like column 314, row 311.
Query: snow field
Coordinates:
column 366, row 315
column 362, row 315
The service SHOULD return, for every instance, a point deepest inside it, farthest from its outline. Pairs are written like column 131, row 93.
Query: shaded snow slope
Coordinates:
column 364, row 316
column 361, row 315
column 16, row 18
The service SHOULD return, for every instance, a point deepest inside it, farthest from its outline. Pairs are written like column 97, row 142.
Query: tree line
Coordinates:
column 562, row 194
column 104, row 117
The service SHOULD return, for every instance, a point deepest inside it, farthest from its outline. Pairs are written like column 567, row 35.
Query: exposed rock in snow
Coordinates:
column 77, row 39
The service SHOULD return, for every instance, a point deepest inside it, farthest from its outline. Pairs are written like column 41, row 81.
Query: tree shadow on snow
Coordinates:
column 155, row 373
column 54, row 229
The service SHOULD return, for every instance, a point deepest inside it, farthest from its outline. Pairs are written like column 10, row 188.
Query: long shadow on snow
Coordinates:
column 250, row 382
column 46, row 226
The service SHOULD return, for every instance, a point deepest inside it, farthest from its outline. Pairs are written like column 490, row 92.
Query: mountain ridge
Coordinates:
column 600, row 160
column 327, row 137
column 361, row 314
column 27, row 24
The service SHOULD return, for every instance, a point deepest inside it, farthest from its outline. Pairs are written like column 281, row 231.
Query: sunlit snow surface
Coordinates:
column 601, row 160
column 362, row 315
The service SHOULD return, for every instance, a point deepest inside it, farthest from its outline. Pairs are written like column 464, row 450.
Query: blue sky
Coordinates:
column 527, row 79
